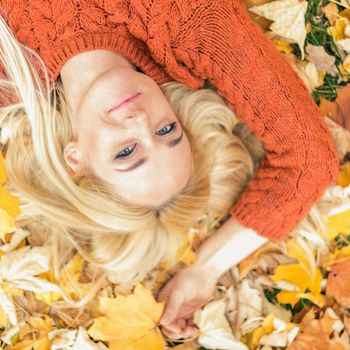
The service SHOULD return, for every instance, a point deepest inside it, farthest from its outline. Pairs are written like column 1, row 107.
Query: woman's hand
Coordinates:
column 190, row 289
column 193, row 286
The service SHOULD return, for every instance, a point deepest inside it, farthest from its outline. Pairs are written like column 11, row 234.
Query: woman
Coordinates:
column 111, row 165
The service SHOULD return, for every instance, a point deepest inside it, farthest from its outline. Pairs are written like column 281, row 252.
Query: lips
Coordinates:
column 128, row 97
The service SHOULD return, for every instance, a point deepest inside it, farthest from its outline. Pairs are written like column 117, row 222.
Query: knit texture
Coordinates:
column 192, row 41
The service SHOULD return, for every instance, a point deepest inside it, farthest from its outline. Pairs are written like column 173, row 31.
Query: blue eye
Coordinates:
column 126, row 152
column 167, row 129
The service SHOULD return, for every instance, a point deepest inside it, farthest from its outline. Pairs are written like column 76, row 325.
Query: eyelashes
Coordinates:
column 128, row 151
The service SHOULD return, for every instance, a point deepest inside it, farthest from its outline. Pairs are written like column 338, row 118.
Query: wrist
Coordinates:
column 227, row 247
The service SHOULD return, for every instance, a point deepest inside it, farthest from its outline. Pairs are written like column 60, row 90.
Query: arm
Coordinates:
column 266, row 94
column 227, row 247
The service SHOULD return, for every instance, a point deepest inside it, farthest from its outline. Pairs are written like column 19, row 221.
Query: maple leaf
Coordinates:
column 288, row 17
column 129, row 322
column 338, row 283
column 315, row 334
column 323, row 61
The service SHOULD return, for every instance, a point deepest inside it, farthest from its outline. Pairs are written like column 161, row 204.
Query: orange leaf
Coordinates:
column 338, row 110
column 339, row 281
column 315, row 334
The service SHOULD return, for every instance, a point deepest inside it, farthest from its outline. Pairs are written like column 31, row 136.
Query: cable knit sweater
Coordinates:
column 192, row 41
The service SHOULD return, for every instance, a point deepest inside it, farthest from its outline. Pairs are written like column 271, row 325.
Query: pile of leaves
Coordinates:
column 292, row 295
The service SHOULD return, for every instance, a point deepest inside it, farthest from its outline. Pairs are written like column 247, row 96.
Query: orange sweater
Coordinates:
column 191, row 41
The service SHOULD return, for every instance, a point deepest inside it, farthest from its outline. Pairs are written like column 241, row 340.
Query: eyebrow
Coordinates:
column 171, row 143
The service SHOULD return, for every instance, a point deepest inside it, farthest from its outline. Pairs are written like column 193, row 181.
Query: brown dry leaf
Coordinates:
column 323, row 61
column 252, row 261
column 338, row 110
column 331, row 12
column 315, row 334
column 338, row 283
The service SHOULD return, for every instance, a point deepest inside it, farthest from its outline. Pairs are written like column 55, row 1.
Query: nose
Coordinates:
column 138, row 122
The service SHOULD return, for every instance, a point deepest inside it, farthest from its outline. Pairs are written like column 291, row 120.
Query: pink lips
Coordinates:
column 128, row 97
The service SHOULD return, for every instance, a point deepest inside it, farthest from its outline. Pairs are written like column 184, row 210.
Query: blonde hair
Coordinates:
column 103, row 228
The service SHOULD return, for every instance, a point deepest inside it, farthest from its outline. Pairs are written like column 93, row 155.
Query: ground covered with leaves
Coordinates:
column 293, row 295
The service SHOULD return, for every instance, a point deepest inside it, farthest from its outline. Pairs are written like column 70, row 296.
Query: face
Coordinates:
column 137, row 147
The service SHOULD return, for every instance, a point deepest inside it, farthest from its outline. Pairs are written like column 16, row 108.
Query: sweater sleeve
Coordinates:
column 266, row 94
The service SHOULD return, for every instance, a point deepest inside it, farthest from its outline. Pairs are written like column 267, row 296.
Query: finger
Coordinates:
column 172, row 327
column 172, row 308
column 171, row 335
column 181, row 322
column 191, row 332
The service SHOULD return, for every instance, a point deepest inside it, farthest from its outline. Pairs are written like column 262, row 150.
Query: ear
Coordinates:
column 72, row 157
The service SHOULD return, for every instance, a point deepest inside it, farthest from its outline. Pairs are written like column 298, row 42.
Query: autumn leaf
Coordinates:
column 323, row 61
column 17, row 272
column 331, row 12
column 251, row 262
column 288, row 17
column 343, row 179
column 215, row 331
column 316, row 333
column 338, row 224
column 34, row 335
column 301, row 277
column 7, row 224
column 338, row 283
column 338, row 110
column 73, row 339
column 274, row 332
column 130, row 322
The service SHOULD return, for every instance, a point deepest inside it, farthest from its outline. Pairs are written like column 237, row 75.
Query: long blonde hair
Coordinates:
column 103, row 228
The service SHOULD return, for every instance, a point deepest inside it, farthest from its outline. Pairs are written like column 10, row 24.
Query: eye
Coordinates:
column 126, row 152
column 167, row 129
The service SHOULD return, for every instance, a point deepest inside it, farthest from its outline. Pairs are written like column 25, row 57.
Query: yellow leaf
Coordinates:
column 267, row 327
column 337, row 31
column 301, row 251
column 129, row 322
column 185, row 253
column 7, row 224
column 3, row 318
column 151, row 341
column 301, row 278
column 43, row 343
column 338, row 224
column 343, row 179
column 36, row 329
column 337, row 255
column 9, row 202
column 283, row 46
